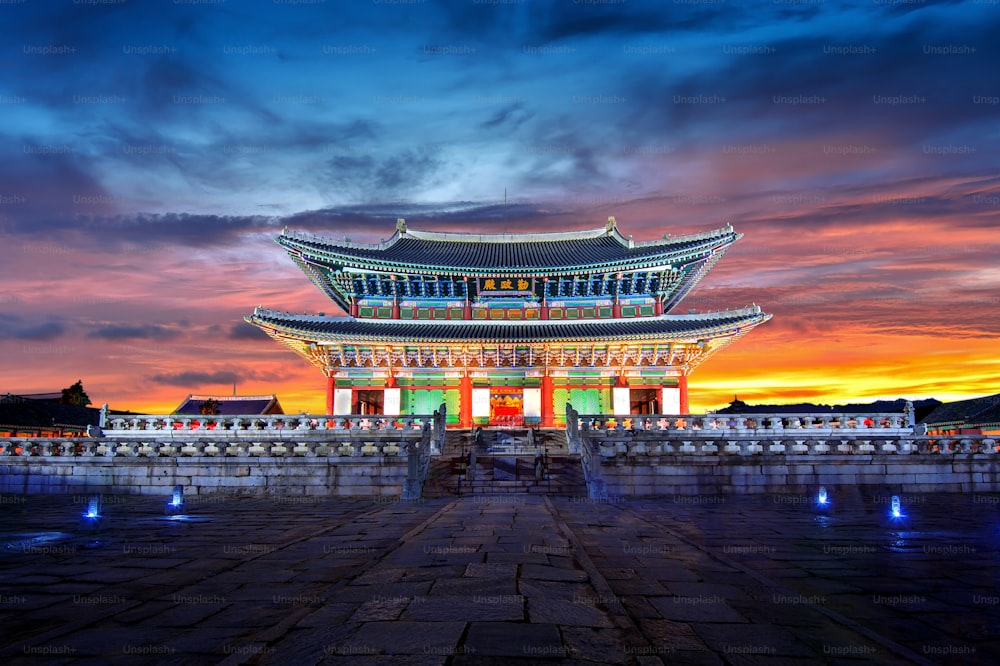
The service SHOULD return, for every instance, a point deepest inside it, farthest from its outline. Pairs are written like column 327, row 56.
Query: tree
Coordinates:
column 209, row 407
column 75, row 395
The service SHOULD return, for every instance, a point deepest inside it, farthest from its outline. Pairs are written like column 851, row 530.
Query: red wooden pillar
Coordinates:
column 616, row 309
column 548, row 419
column 465, row 401
column 467, row 310
column 331, row 384
column 544, row 314
column 682, row 384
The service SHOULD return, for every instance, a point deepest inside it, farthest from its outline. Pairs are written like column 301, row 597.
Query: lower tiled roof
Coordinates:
column 666, row 326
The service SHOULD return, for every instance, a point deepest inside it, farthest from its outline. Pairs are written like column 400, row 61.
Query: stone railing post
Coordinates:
column 440, row 424
column 417, row 462
column 572, row 430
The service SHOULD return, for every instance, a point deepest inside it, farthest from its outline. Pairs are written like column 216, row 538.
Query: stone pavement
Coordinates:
column 493, row 579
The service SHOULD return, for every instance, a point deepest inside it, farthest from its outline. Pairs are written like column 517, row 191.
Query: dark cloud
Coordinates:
column 15, row 327
column 838, row 94
column 509, row 117
column 155, row 332
column 245, row 331
column 385, row 176
column 194, row 378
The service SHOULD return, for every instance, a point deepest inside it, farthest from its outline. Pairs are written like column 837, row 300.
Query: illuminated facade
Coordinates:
column 506, row 329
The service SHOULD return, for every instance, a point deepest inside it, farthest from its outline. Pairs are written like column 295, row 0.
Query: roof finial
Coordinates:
column 611, row 225
column 401, row 226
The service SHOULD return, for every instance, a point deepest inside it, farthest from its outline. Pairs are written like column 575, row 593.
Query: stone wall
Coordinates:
column 798, row 474
column 381, row 476
column 375, row 476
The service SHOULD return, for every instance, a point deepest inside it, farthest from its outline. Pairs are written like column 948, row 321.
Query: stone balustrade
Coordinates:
column 354, row 436
column 111, row 447
column 359, row 436
column 280, row 426
column 612, row 445
column 723, row 425
column 763, row 434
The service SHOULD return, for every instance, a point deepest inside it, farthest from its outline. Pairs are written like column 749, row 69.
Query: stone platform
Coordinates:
column 491, row 579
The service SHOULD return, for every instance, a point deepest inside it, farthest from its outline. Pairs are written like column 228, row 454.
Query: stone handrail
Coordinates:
column 572, row 429
column 171, row 435
column 262, row 446
column 609, row 444
column 605, row 443
column 440, row 424
column 278, row 426
column 418, row 458
column 726, row 424
column 590, row 458
column 628, row 444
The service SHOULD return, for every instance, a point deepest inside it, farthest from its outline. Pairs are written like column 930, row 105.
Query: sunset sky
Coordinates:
column 151, row 151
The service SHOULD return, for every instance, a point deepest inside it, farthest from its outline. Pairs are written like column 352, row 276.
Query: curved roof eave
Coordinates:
column 669, row 256
column 715, row 325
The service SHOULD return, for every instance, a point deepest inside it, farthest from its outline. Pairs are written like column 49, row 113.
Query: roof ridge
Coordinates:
column 508, row 237
column 222, row 398
column 610, row 230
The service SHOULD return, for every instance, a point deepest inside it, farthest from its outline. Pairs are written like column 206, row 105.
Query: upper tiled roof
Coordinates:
column 367, row 330
column 601, row 248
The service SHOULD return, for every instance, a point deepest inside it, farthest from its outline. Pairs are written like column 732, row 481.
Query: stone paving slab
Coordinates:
column 491, row 580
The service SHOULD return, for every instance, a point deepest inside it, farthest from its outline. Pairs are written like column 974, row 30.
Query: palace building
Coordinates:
column 506, row 329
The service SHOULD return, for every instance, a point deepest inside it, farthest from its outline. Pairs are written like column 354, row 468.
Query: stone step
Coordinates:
column 459, row 441
column 448, row 476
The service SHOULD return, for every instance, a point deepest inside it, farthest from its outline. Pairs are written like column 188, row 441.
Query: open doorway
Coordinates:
column 644, row 401
column 368, row 402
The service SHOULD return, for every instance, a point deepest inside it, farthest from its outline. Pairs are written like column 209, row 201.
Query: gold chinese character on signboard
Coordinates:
column 522, row 284
column 490, row 284
column 506, row 284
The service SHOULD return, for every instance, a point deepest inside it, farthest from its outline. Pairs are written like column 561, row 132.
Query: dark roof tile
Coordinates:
column 331, row 328
column 479, row 256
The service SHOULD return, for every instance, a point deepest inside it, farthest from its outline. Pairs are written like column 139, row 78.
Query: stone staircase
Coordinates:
column 506, row 440
column 504, row 467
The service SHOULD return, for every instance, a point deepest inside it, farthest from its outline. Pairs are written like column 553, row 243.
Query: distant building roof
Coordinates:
column 54, row 396
column 972, row 413
column 40, row 412
column 232, row 405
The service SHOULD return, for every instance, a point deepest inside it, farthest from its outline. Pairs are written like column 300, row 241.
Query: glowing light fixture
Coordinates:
column 176, row 503
column 90, row 520
column 93, row 508
column 821, row 498
column 896, row 511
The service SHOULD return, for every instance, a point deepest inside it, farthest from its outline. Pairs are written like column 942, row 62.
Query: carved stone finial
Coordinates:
column 611, row 225
column 401, row 225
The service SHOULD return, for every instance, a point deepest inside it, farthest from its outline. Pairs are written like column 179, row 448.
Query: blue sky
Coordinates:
column 150, row 150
